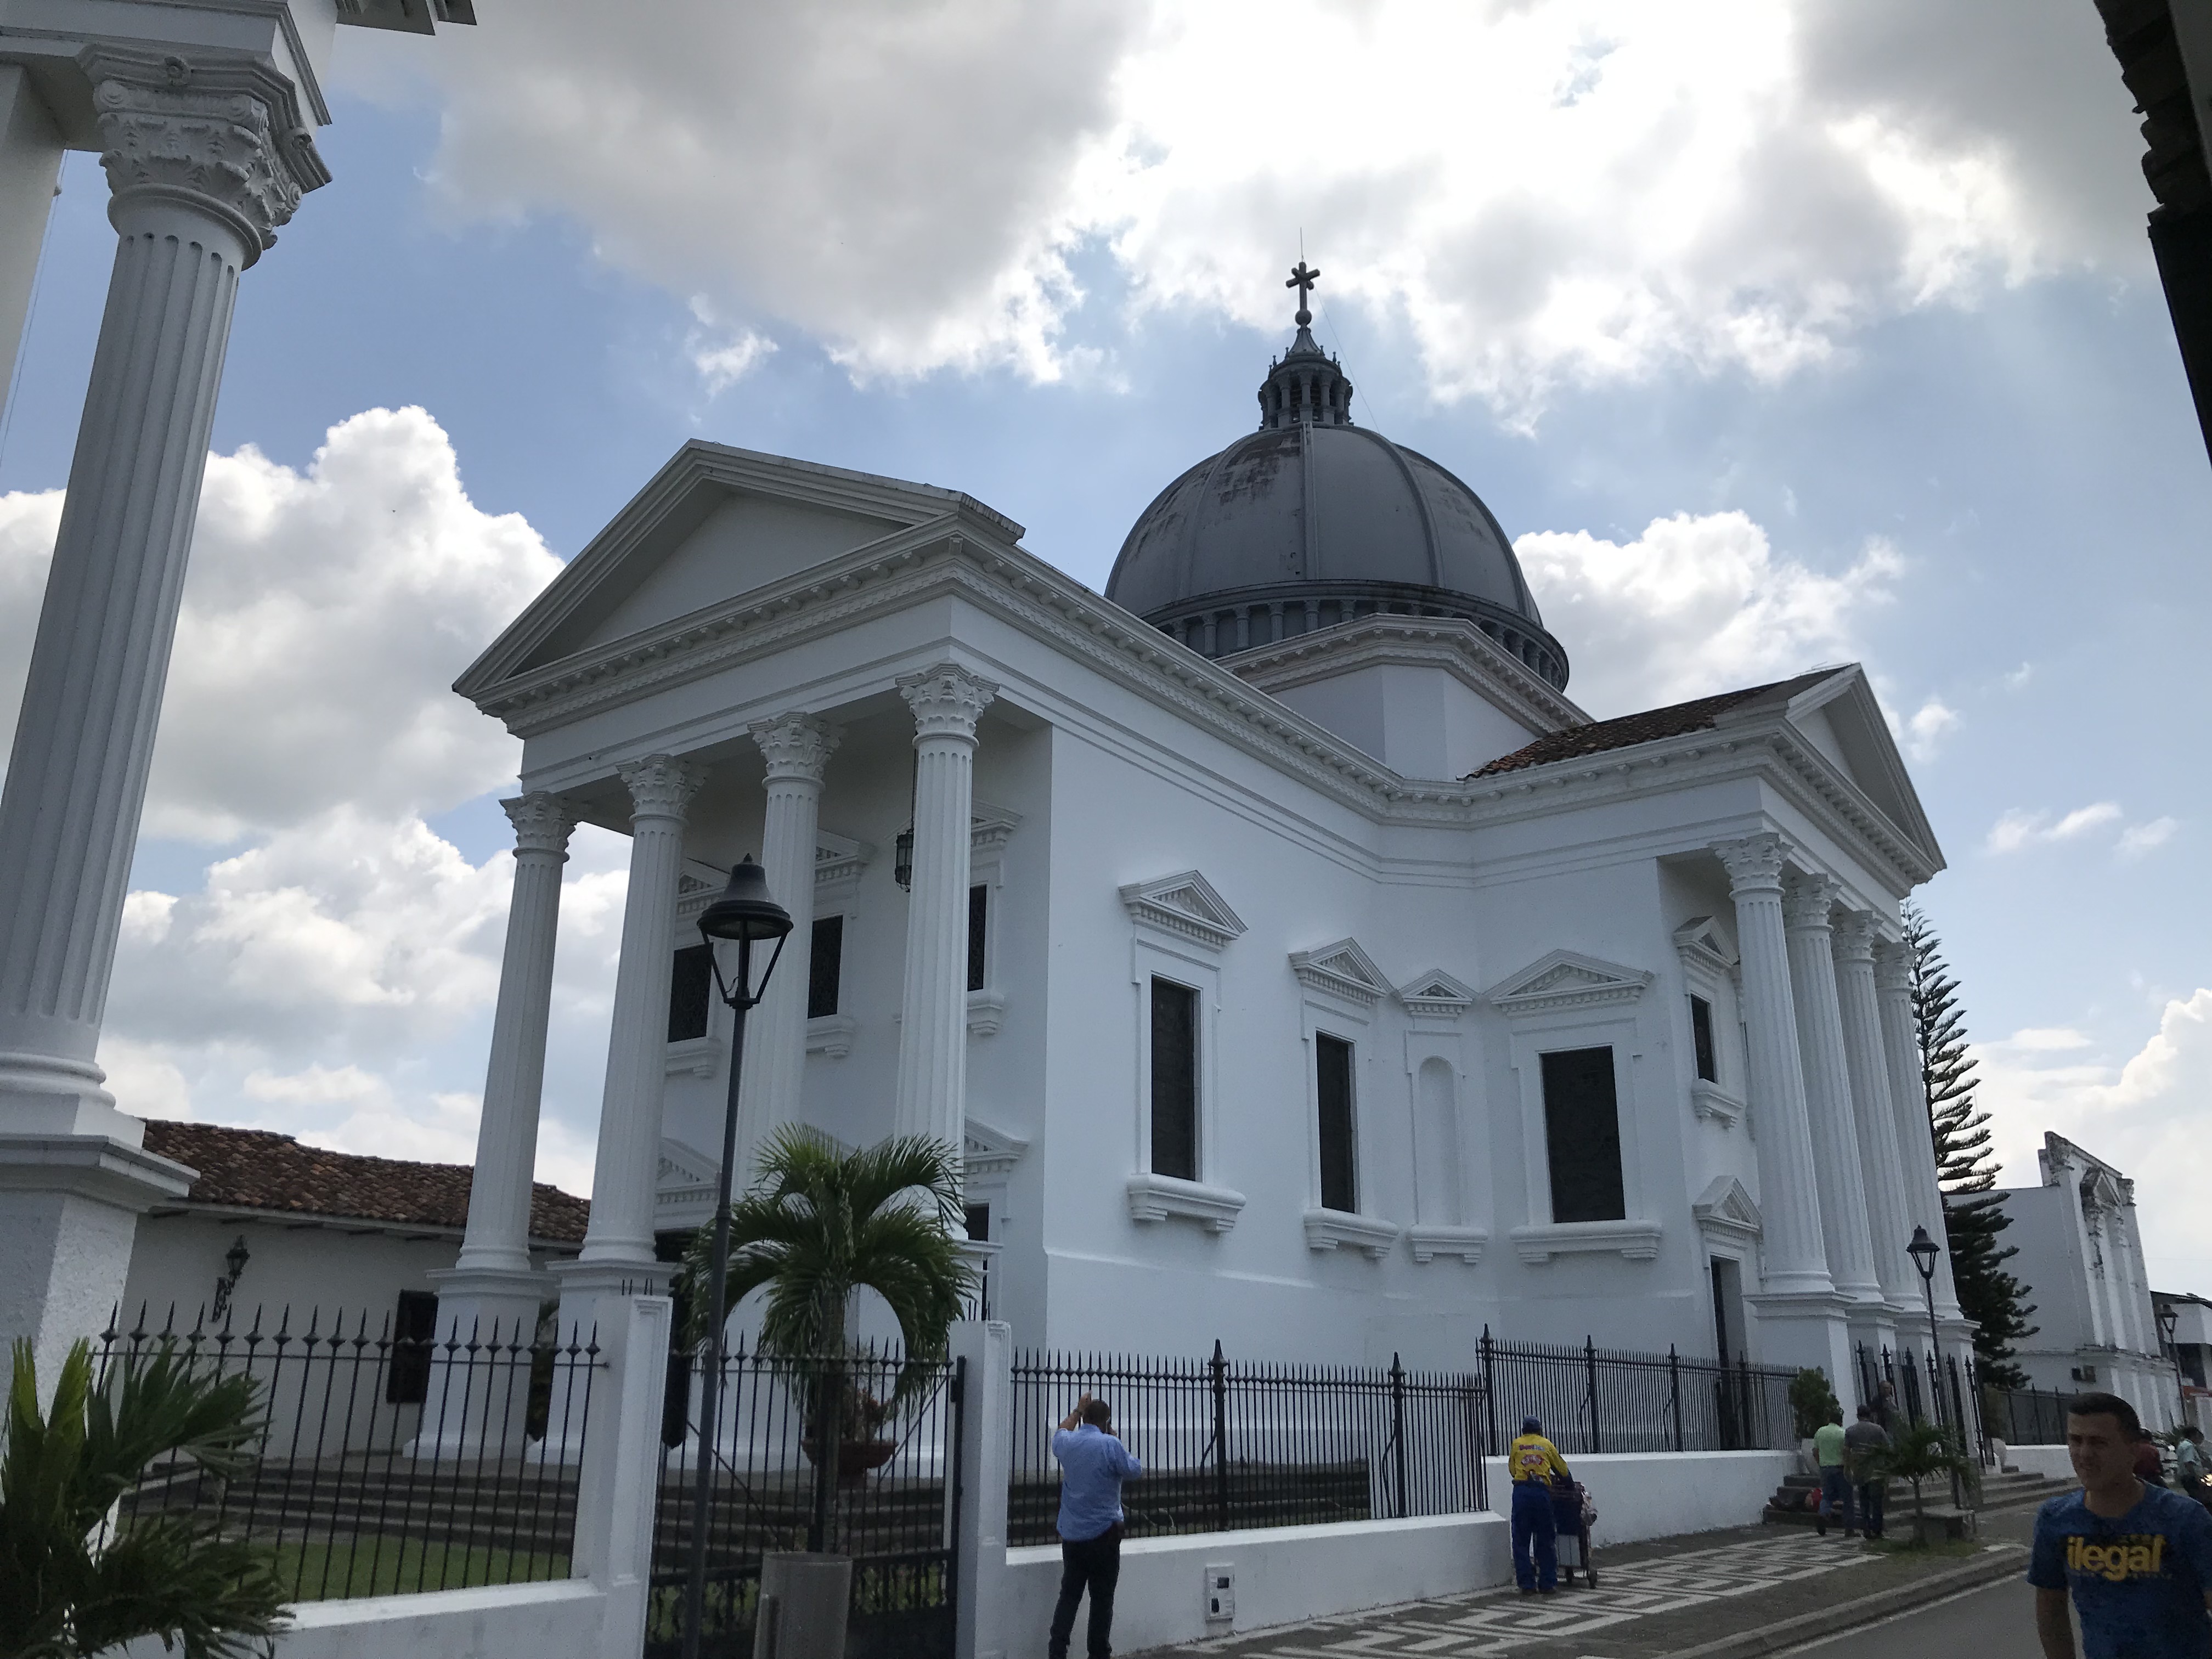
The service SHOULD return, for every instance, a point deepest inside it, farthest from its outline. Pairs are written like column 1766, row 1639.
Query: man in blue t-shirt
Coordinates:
column 2137, row 1558
column 1093, row 1464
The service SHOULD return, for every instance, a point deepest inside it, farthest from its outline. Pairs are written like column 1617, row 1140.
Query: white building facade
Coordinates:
column 1297, row 966
column 2081, row 1262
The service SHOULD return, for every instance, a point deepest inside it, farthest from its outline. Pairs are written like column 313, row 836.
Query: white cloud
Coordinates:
column 2139, row 839
column 722, row 356
column 325, row 614
column 2146, row 1119
column 1932, row 722
column 1697, row 604
column 1540, row 191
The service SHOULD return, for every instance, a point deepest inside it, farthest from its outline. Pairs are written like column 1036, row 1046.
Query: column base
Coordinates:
column 73, row 1203
column 1811, row 1330
column 478, row 1402
column 50, row 1095
column 584, row 1286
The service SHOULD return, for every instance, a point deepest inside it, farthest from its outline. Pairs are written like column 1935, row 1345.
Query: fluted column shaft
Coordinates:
column 1874, row 1113
column 797, row 748
column 1807, row 902
column 1915, row 1141
column 202, row 170
column 1788, row 1195
column 932, row 1067
column 625, row 1180
column 498, row 1235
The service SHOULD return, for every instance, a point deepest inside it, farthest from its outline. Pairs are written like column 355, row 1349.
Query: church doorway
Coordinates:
column 1727, row 1309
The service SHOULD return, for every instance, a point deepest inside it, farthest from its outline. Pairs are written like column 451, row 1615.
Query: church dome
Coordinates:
column 1311, row 521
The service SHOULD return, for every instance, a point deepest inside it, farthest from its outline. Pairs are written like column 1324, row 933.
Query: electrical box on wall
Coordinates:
column 1221, row 1593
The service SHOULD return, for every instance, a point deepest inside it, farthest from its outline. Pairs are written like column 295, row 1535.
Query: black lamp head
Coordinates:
column 746, row 912
column 2168, row 1319
column 1923, row 1250
column 237, row 1256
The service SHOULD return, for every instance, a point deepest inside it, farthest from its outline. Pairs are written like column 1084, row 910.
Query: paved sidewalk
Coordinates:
column 1714, row 1592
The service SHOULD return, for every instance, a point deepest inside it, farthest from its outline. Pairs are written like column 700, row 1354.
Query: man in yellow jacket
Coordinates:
column 1532, row 1460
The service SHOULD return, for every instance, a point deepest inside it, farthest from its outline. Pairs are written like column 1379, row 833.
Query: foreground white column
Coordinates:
column 204, row 160
column 491, row 1295
column 1874, row 1113
column 1800, row 1313
column 1916, row 1143
column 1807, row 901
column 932, row 1065
column 617, row 1254
column 797, row 748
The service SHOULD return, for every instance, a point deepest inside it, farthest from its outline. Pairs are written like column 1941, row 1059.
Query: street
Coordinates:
column 1995, row 1619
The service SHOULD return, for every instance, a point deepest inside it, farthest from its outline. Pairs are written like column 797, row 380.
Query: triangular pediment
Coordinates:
column 1841, row 719
column 1725, row 1208
column 1185, row 904
column 1702, row 945
column 1342, row 969
column 1437, row 995
column 988, row 1151
column 683, row 1168
column 715, row 524
column 1567, row 978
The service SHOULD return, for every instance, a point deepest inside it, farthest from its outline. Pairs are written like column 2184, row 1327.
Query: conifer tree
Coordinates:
column 1965, row 1168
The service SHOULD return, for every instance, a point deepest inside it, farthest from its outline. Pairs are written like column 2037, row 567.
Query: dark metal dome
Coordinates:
column 1311, row 521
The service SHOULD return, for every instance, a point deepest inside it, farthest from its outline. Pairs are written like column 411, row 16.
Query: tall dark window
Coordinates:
column 1582, row 1134
column 1701, row 1037
column 414, row 1328
column 691, row 989
column 825, row 964
column 1175, row 1080
column 979, row 916
column 1339, row 1188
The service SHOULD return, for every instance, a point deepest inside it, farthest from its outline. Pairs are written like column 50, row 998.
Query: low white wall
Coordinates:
column 1660, row 1494
column 2052, row 1462
column 1283, row 1574
column 561, row 1620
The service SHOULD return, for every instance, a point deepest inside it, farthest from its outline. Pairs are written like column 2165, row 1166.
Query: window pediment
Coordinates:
column 1725, row 1211
column 1704, row 949
column 1436, row 994
column 1186, row 905
column 1342, row 969
column 989, row 1151
column 1567, row 978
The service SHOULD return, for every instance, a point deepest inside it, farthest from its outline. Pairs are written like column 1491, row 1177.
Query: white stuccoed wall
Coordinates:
column 2052, row 1462
column 1643, row 1495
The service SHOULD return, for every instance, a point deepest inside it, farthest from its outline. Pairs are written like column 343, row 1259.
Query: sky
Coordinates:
column 1776, row 333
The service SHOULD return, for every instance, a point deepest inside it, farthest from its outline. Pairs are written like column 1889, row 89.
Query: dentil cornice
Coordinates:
column 542, row 823
column 1753, row 864
column 660, row 786
column 947, row 701
column 1806, row 901
column 220, row 135
column 797, row 747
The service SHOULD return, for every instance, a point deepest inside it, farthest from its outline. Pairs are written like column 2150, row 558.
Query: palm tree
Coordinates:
column 1918, row 1452
column 818, row 1227
column 71, row 1585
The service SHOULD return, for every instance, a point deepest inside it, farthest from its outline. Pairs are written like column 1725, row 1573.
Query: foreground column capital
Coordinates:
column 1755, row 863
column 220, row 135
column 1808, row 902
column 543, row 823
column 1856, row 935
column 797, row 747
column 947, row 701
column 660, row 786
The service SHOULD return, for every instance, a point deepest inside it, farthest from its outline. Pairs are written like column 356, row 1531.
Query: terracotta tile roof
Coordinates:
column 259, row 1170
column 1675, row 720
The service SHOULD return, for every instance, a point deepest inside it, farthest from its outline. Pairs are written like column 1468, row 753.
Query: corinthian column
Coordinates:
column 933, row 1063
column 619, row 1239
column 1789, row 1196
column 797, row 748
column 1908, row 1098
column 1828, row 1087
column 204, row 162
column 1874, row 1113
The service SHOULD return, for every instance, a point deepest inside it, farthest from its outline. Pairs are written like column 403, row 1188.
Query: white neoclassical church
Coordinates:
column 1297, row 965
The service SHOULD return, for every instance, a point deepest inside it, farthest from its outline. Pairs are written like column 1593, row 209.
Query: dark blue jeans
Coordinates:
column 1092, row 1565
column 1872, row 1496
column 1836, row 1497
column 1534, row 1526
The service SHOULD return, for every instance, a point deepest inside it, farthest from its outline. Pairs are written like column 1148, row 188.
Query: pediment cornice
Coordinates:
column 1567, row 978
column 1342, row 971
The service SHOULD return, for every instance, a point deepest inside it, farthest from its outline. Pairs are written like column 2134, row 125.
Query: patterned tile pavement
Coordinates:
column 1574, row 1621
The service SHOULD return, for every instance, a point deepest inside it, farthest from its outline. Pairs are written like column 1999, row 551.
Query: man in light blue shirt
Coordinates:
column 1093, row 1464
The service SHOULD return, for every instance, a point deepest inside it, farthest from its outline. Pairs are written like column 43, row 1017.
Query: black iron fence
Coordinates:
column 1231, row 1445
column 2026, row 1417
column 387, row 1464
column 891, row 1502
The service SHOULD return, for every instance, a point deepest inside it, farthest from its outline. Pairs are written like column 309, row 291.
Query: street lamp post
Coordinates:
column 2169, row 1322
column 1923, row 1250
column 747, row 915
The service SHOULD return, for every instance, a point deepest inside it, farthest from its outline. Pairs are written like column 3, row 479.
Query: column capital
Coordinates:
column 1754, row 863
column 220, row 134
column 1855, row 936
column 1806, row 901
column 1893, row 967
column 796, row 746
column 660, row 786
column 947, row 701
column 542, row 822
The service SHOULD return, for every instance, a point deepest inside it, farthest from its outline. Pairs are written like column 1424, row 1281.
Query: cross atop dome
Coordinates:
column 1303, row 280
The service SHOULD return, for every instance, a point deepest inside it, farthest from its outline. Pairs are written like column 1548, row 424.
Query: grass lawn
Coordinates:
column 326, row 1570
